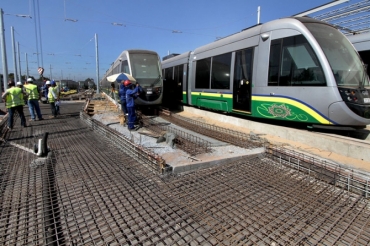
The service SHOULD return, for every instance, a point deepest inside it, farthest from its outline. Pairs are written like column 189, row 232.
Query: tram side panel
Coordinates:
column 286, row 70
column 175, row 74
column 212, row 74
column 285, row 90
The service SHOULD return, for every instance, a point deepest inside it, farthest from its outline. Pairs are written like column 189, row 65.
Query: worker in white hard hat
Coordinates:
column 45, row 90
column 34, row 96
column 53, row 98
column 25, row 94
column 14, row 103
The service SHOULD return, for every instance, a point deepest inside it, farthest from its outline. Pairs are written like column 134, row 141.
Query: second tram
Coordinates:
column 145, row 67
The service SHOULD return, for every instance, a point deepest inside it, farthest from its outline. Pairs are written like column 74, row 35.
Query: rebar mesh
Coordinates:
column 89, row 191
column 243, row 140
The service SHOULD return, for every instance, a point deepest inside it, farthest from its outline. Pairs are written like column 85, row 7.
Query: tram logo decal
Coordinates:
column 287, row 108
column 279, row 111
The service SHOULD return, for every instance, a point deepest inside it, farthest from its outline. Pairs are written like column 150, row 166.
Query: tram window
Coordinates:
column 168, row 74
column 202, row 74
column 178, row 74
column 144, row 66
column 274, row 62
column 124, row 67
column 293, row 63
column 365, row 55
column 221, row 66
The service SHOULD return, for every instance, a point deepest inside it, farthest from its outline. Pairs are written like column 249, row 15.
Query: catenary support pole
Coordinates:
column 3, row 54
column 97, row 64
column 19, row 63
column 27, row 66
column 14, row 55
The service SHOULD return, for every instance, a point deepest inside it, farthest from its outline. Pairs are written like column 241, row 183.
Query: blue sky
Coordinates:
column 163, row 26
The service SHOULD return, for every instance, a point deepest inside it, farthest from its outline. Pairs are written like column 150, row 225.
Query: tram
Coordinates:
column 145, row 67
column 294, row 69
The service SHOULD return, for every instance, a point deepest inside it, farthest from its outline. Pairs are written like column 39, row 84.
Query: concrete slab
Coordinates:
column 212, row 141
column 179, row 160
column 330, row 146
column 209, row 161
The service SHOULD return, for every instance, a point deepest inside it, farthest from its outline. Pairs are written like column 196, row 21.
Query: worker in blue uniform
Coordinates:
column 131, row 95
column 122, row 95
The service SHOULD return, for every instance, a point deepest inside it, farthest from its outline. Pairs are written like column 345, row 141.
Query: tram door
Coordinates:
column 242, row 92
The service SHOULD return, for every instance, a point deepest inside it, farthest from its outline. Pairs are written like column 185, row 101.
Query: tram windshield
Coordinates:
column 145, row 69
column 345, row 62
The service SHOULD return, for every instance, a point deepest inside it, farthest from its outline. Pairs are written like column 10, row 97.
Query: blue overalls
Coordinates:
column 131, row 95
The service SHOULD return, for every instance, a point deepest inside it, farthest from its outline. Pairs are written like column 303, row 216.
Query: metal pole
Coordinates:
column 39, row 26
column 19, row 63
column 258, row 14
column 14, row 55
column 3, row 52
column 27, row 66
column 97, row 64
column 36, row 35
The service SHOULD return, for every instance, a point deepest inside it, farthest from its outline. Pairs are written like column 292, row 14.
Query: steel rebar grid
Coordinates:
column 240, row 139
column 297, row 214
column 90, row 192
column 332, row 173
column 149, row 157
column 187, row 142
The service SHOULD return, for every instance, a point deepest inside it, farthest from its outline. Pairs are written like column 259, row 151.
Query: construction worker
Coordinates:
column 14, row 102
column 33, row 99
column 122, row 95
column 45, row 90
column 57, row 92
column 52, row 97
column 131, row 95
column 25, row 95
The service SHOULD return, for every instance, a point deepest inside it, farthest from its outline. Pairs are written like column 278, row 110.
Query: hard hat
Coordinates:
column 19, row 83
column 52, row 82
column 47, row 82
column 127, row 83
column 29, row 80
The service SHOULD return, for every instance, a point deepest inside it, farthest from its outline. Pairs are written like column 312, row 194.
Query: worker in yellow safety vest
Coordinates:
column 14, row 103
column 53, row 98
column 33, row 99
